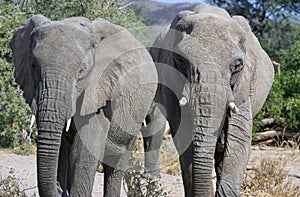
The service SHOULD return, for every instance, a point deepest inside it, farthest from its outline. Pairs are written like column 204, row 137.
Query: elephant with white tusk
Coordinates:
column 90, row 84
column 222, row 77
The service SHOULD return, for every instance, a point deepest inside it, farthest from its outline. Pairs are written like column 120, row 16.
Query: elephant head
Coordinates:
column 224, row 68
column 58, row 62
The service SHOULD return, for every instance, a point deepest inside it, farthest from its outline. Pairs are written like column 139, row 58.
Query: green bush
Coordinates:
column 283, row 102
column 14, row 112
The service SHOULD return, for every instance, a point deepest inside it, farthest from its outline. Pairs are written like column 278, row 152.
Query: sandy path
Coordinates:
column 24, row 169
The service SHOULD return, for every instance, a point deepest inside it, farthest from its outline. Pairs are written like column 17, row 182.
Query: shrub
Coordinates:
column 140, row 184
column 14, row 112
column 268, row 179
column 9, row 187
column 283, row 102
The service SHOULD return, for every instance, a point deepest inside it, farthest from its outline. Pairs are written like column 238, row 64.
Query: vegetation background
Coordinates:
column 275, row 23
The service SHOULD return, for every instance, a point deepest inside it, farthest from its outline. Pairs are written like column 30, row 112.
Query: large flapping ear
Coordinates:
column 163, row 48
column 26, row 74
column 164, row 44
column 117, row 52
column 259, row 73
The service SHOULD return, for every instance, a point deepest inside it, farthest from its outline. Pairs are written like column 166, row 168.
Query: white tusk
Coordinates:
column 233, row 108
column 183, row 101
column 32, row 121
column 144, row 123
column 68, row 125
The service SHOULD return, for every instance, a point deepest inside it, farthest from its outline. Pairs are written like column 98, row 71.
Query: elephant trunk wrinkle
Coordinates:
column 51, row 120
column 57, row 94
column 209, row 107
column 48, row 144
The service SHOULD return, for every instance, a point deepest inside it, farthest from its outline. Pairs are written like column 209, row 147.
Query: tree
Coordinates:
column 283, row 101
column 272, row 21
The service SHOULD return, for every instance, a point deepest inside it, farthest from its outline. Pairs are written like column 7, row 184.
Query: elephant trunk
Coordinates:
column 52, row 116
column 209, row 103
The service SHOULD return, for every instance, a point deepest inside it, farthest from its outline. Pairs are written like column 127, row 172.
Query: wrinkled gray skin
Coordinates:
column 153, row 134
column 221, row 61
column 101, row 77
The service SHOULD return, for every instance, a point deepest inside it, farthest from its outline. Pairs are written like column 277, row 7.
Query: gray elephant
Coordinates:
column 90, row 85
column 213, row 79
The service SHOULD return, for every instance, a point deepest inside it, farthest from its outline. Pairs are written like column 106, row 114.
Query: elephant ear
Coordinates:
column 163, row 48
column 26, row 74
column 116, row 53
column 258, row 74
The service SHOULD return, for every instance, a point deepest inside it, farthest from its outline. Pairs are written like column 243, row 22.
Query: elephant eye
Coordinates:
column 237, row 66
column 235, row 69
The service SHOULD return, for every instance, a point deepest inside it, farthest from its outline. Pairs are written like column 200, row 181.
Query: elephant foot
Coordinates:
column 226, row 188
column 153, row 173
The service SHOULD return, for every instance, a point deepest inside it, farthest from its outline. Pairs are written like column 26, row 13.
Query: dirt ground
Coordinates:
column 24, row 169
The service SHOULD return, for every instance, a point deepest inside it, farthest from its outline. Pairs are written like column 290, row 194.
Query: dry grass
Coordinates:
column 168, row 158
column 269, row 178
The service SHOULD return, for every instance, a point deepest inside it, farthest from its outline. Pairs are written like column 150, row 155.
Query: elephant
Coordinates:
column 213, row 78
column 90, row 85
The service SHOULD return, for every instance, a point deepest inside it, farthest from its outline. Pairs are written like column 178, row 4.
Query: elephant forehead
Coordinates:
column 55, row 39
column 64, row 29
column 214, row 26
column 211, row 38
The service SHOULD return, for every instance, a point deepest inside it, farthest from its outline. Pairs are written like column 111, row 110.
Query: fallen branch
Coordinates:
column 273, row 133
column 266, row 142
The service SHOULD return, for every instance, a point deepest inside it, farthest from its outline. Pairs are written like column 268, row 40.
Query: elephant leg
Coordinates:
column 64, row 161
column 114, row 166
column 126, row 121
column 152, row 141
column 152, row 148
column 153, row 133
column 181, row 130
column 237, row 151
column 112, row 180
column 87, row 151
